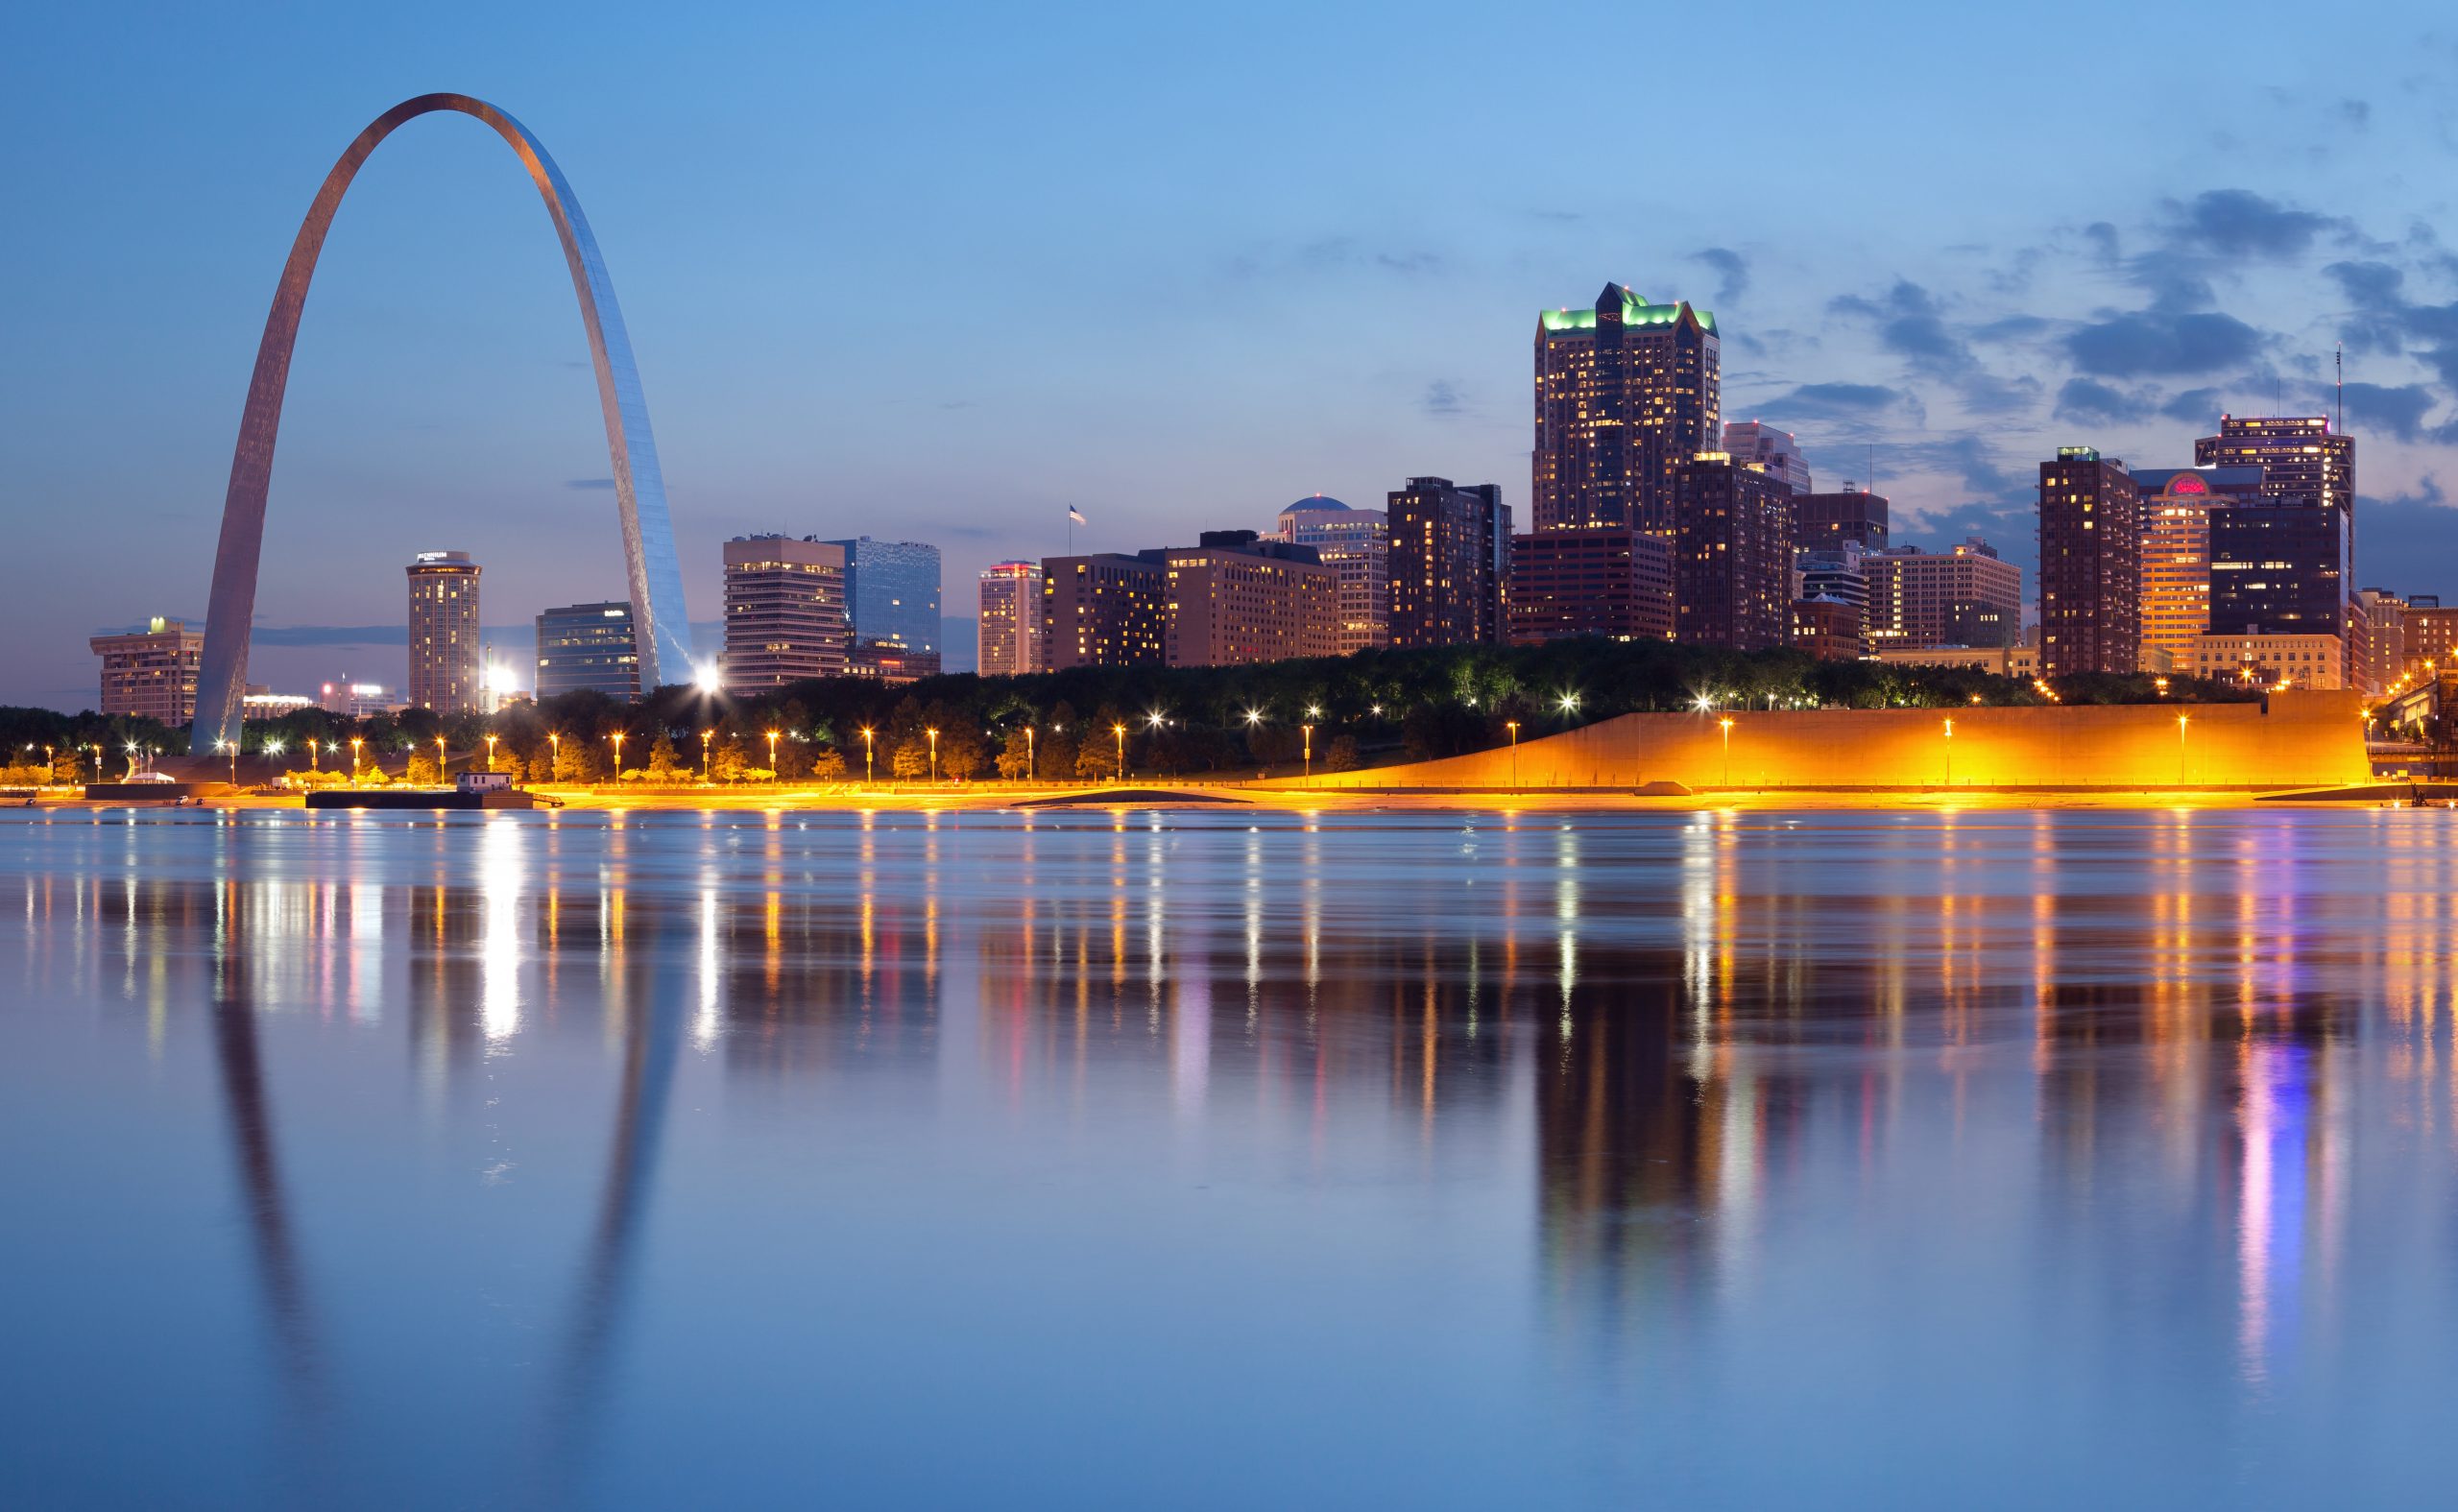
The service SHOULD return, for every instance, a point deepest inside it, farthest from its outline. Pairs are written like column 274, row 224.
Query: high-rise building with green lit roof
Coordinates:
column 1626, row 393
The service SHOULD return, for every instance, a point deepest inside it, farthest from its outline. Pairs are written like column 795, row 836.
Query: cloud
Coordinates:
column 2240, row 224
column 1970, row 459
column 2148, row 342
column 2091, row 402
column 2196, row 406
column 1732, row 272
column 2400, row 410
column 1442, row 397
column 1839, row 402
column 589, row 483
column 2407, row 542
column 1912, row 325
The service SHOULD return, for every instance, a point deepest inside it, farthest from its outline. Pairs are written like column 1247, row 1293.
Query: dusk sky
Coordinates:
column 938, row 272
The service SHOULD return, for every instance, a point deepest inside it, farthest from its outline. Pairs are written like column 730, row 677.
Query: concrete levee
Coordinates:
column 2292, row 739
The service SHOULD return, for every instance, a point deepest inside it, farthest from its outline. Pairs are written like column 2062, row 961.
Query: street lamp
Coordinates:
column 131, row 758
column 1120, row 730
column 1254, row 717
column 1727, row 723
column 1032, row 755
column 869, row 751
column 2180, row 750
column 490, row 752
column 704, row 754
column 933, row 734
column 618, row 738
column 1309, row 729
column 1950, row 753
column 443, row 779
column 1703, row 703
column 1513, row 724
column 772, row 755
column 1569, row 703
column 356, row 742
column 555, row 747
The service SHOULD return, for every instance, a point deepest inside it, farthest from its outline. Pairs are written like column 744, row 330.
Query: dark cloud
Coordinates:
column 1441, row 397
column 589, row 483
column 1839, row 402
column 2012, row 328
column 1969, row 459
column 2240, row 224
column 1912, row 324
column 2091, row 402
column 2354, row 114
column 1732, row 272
column 2399, row 411
column 2196, row 406
column 2149, row 342
column 2103, row 239
column 2407, row 542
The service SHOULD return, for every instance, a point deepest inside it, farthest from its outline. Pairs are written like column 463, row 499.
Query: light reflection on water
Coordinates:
column 1222, row 1159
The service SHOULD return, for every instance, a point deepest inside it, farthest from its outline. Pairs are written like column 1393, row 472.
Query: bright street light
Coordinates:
column 707, row 678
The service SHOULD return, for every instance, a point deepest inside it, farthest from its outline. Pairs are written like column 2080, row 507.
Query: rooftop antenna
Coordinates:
column 2338, row 360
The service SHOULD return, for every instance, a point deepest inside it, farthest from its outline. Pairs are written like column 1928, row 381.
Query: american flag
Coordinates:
column 1076, row 517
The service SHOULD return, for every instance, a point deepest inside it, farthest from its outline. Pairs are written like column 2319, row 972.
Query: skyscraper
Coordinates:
column 587, row 647
column 1608, row 580
column 1450, row 563
column 1356, row 543
column 2279, row 569
column 2176, row 553
column 2300, row 457
column 1626, row 393
column 1733, row 555
column 785, row 611
column 1008, row 630
column 1104, row 611
column 1965, row 596
column 2090, row 565
column 1758, row 445
column 892, row 593
column 446, row 661
column 151, row 673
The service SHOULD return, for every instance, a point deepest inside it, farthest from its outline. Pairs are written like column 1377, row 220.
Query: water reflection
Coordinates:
column 1698, row 1073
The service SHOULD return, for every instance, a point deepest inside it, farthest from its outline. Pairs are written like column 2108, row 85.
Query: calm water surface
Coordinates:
column 1223, row 1160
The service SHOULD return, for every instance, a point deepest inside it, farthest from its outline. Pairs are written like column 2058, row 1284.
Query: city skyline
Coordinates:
column 1965, row 345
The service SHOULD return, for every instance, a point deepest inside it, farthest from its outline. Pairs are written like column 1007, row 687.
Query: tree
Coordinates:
column 825, row 765
column 1097, row 760
column 422, row 771
column 664, row 765
column 1058, row 747
column 731, row 760
column 912, row 758
column 579, row 759
column 1017, row 753
column 963, row 749
column 1341, row 756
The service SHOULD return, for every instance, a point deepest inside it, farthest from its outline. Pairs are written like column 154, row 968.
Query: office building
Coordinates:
column 1828, row 629
column 354, row 700
column 785, row 611
column 1820, row 520
column 2303, row 460
column 1626, row 393
column 2429, row 638
column 448, row 663
column 892, row 593
column 2090, row 565
column 151, row 673
column 890, row 662
column 1733, row 555
column 1235, row 597
column 1356, row 543
column 1755, row 444
column 1450, row 564
column 1838, row 572
column 1964, row 596
column 2267, row 660
column 589, row 648
column 1008, row 629
column 1104, row 611
column 2176, row 552
column 1604, row 580
column 2281, row 569
column 2381, row 655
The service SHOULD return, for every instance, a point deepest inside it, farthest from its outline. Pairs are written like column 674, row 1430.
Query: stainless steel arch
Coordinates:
column 663, row 635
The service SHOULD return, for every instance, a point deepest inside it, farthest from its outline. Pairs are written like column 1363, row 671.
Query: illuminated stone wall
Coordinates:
column 2301, row 739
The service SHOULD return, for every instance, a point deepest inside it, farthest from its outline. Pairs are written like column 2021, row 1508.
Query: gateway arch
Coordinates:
column 662, row 633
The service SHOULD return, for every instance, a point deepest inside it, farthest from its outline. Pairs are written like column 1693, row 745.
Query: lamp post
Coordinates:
column 772, row 755
column 442, row 777
column 555, row 750
column 1308, row 731
column 618, row 738
column 2181, row 749
column 933, row 734
column 356, row 742
column 490, row 752
column 1512, row 725
column 1032, row 755
column 131, row 758
column 703, row 755
column 870, row 749
column 1120, row 730
column 1950, row 753
column 1727, row 723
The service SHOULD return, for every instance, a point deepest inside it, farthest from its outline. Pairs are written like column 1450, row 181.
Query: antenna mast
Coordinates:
column 2338, row 360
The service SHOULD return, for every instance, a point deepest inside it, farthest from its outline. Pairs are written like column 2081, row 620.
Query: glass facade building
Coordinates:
column 587, row 647
column 892, row 593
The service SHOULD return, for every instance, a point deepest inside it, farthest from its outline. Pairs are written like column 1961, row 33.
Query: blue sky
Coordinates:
column 941, row 271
